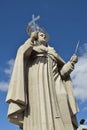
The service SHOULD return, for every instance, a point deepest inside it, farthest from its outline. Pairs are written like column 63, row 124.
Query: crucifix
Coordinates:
column 34, row 19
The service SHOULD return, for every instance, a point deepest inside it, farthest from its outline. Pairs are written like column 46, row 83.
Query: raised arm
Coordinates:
column 69, row 66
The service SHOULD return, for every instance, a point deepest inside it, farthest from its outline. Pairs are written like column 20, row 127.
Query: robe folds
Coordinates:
column 40, row 94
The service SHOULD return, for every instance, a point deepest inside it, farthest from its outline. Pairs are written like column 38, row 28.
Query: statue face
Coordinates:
column 42, row 37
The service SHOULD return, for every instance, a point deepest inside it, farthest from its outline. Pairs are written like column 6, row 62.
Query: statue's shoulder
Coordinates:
column 50, row 48
column 25, row 45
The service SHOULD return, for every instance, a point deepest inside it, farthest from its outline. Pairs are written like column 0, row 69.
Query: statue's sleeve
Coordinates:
column 17, row 78
column 67, row 69
column 54, row 54
column 17, row 95
column 64, row 68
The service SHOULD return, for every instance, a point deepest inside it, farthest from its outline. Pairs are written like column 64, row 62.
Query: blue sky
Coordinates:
column 66, row 23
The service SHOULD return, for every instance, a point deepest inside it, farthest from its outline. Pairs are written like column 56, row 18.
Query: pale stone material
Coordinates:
column 40, row 94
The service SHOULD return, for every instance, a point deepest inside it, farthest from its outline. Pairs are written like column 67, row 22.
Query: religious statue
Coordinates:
column 40, row 94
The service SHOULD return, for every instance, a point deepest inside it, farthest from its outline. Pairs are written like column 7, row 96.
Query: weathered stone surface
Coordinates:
column 40, row 94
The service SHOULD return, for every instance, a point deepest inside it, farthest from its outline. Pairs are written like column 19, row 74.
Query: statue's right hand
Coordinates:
column 34, row 36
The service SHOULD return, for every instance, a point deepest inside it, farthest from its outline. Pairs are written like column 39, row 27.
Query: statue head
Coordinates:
column 39, row 37
column 36, row 33
column 42, row 37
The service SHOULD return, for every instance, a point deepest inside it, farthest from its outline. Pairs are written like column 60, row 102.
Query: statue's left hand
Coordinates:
column 74, row 59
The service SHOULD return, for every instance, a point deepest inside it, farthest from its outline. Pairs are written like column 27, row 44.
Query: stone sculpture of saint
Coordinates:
column 40, row 94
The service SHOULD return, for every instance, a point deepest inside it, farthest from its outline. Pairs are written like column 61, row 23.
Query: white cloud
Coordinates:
column 4, row 86
column 8, row 72
column 10, row 64
column 79, row 75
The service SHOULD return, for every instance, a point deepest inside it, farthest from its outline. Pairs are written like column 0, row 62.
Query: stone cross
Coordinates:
column 34, row 19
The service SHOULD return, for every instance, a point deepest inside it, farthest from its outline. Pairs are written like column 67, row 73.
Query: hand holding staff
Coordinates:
column 74, row 58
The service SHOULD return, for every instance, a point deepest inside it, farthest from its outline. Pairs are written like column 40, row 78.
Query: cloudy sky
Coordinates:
column 65, row 21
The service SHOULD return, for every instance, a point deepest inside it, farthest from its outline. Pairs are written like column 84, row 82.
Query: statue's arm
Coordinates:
column 52, row 52
column 26, row 48
column 69, row 66
column 66, row 69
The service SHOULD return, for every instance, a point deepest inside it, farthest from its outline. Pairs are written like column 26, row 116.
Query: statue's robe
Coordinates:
column 40, row 94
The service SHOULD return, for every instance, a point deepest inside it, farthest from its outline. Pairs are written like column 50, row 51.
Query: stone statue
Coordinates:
column 40, row 93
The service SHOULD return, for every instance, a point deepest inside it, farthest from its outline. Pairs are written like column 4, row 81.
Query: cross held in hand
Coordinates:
column 34, row 19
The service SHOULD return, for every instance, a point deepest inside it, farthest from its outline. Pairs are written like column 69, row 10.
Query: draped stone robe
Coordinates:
column 40, row 93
